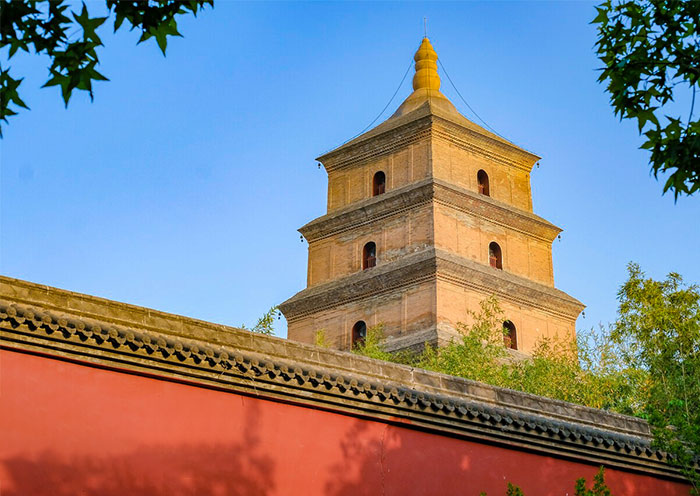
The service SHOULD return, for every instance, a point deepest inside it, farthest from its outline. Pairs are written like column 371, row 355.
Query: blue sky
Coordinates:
column 182, row 185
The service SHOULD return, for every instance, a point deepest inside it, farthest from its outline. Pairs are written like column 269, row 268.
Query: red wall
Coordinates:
column 68, row 429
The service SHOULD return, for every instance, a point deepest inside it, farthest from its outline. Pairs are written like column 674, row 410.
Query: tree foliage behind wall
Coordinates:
column 266, row 323
column 588, row 371
column 600, row 488
column 659, row 329
column 646, row 364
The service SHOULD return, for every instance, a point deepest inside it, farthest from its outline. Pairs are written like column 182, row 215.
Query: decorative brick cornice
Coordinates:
column 425, row 265
column 379, row 146
column 407, row 271
column 392, row 203
column 496, row 151
column 506, row 286
column 397, row 202
column 427, row 121
column 341, row 382
column 494, row 211
column 234, row 360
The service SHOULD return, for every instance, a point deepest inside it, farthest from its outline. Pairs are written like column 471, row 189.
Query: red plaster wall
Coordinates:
column 68, row 429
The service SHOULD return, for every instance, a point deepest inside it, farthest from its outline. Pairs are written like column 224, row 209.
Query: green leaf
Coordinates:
column 602, row 17
column 641, row 71
column 50, row 28
column 89, row 25
column 56, row 80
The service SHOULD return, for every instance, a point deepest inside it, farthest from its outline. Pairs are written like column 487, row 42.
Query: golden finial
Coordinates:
column 426, row 76
column 426, row 84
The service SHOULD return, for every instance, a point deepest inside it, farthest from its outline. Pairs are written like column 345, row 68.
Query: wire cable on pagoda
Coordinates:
column 474, row 111
column 384, row 109
column 465, row 101
column 388, row 103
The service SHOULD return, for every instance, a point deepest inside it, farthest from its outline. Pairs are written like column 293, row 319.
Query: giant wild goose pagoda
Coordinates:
column 428, row 215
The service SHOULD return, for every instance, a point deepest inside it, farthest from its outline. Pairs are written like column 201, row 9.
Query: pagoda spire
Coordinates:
column 426, row 76
column 426, row 83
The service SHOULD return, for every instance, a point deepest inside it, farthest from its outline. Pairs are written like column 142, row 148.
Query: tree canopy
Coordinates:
column 659, row 330
column 69, row 38
column 650, row 51
column 647, row 363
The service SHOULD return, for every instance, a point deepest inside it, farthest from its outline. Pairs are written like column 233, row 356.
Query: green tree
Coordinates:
column 514, row 490
column 321, row 339
column 590, row 372
column 599, row 487
column 373, row 347
column 478, row 353
column 650, row 51
column 266, row 323
column 647, row 363
column 69, row 38
column 659, row 330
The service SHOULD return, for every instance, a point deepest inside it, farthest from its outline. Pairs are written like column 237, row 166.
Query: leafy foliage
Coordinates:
column 599, row 486
column 589, row 371
column 649, row 48
column 646, row 364
column 659, row 325
column 514, row 490
column 479, row 354
column 266, row 323
column 50, row 28
column 372, row 346
column 321, row 339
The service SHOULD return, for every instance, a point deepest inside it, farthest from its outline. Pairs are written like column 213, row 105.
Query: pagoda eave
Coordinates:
column 430, row 265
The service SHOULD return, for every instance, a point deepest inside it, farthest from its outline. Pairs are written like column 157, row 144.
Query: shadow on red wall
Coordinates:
column 197, row 469
column 211, row 470
column 403, row 462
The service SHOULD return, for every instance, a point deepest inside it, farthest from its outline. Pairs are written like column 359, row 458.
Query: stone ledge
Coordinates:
column 393, row 202
column 430, row 264
column 439, row 335
column 506, row 286
column 396, row 202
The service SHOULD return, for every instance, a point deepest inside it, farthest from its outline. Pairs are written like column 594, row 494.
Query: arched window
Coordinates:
column 483, row 179
column 495, row 256
column 510, row 338
column 369, row 255
column 359, row 333
column 379, row 183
